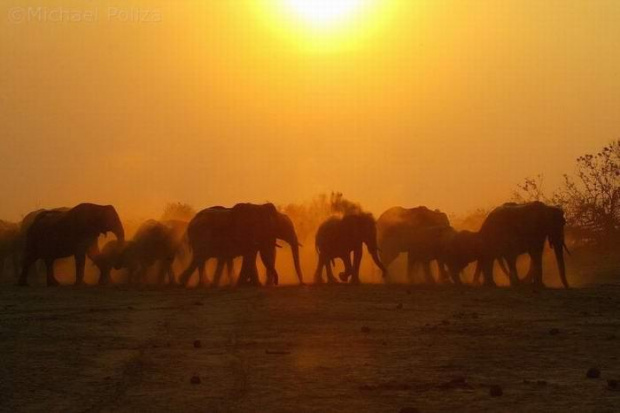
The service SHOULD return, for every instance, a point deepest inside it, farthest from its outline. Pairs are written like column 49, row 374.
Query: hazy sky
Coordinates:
column 442, row 103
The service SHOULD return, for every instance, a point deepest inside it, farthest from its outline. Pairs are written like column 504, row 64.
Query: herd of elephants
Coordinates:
column 250, row 230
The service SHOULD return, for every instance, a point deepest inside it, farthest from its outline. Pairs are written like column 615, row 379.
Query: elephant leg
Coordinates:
column 140, row 275
column 203, row 278
column 529, row 277
column 165, row 272
column 253, row 273
column 185, row 275
column 477, row 273
column 15, row 263
column 329, row 273
column 536, row 266
column 161, row 273
column 272, row 278
column 428, row 274
column 487, row 272
column 348, row 269
column 80, row 263
column 51, row 280
column 512, row 271
column 243, row 279
column 172, row 281
column 249, row 272
column 318, row 274
column 26, row 264
column 410, row 267
column 133, row 274
column 104, row 275
column 272, row 274
column 455, row 275
column 357, row 261
column 218, row 272
column 230, row 269
column 444, row 276
column 388, row 257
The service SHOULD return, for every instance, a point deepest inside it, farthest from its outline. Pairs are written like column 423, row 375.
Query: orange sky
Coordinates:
column 445, row 103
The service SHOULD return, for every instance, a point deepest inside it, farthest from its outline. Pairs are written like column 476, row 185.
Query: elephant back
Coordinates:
column 399, row 222
column 154, row 239
column 514, row 225
column 209, row 225
column 327, row 233
column 254, row 226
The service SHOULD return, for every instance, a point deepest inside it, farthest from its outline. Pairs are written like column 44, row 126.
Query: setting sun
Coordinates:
column 324, row 25
column 376, row 206
column 325, row 13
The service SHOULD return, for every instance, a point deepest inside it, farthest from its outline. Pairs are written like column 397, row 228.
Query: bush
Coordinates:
column 590, row 198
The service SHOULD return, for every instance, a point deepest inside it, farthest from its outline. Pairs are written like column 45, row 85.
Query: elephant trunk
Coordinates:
column 116, row 227
column 558, row 247
column 295, row 249
column 375, row 257
column 119, row 233
column 285, row 230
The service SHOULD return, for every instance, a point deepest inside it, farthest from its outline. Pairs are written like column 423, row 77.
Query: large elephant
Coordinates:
column 244, row 230
column 463, row 248
column 402, row 230
column 154, row 243
column 514, row 229
column 338, row 237
column 9, row 246
column 60, row 234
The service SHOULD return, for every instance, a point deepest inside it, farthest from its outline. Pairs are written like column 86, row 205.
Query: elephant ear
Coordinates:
column 83, row 218
column 356, row 225
column 269, row 222
column 555, row 222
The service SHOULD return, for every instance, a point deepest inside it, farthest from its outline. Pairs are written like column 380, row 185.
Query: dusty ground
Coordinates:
column 311, row 349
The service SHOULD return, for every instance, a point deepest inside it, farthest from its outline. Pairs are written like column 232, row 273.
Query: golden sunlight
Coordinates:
column 325, row 25
column 325, row 13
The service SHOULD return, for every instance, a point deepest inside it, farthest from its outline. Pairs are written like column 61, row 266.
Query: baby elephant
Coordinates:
column 154, row 243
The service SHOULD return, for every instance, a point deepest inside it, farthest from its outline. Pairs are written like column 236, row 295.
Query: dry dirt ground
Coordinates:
column 369, row 348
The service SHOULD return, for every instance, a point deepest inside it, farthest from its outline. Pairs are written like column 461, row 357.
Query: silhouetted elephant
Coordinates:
column 244, row 230
column 9, row 246
column 463, row 248
column 514, row 229
column 60, row 234
column 401, row 230
column 338, row 238
column 154, row 243
column 25, row 224
column 437, row 243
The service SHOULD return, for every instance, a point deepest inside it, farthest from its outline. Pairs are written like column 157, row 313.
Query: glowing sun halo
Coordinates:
column 325, row 13
column 325, row 25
